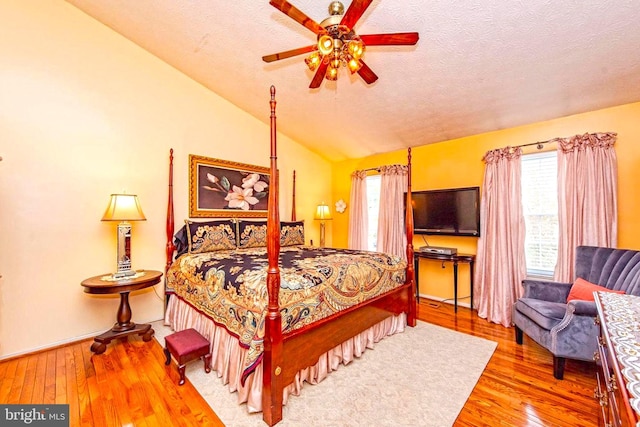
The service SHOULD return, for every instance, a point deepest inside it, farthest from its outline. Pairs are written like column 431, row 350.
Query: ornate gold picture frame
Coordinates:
column 221, row 188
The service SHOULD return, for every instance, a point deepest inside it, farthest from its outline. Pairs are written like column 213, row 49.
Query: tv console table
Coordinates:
column 455, row 259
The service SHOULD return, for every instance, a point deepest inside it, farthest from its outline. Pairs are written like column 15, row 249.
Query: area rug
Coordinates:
column 421, row 377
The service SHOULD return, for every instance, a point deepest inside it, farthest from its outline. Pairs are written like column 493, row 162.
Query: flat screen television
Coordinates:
column 450, row 212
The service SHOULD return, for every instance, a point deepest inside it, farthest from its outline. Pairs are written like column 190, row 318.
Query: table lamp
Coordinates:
column 124, row 208
column 322, row 214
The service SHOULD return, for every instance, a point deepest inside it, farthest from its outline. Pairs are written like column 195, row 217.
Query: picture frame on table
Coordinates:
column 222, row 188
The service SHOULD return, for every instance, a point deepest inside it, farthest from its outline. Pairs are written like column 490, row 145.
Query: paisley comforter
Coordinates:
column 230, row 287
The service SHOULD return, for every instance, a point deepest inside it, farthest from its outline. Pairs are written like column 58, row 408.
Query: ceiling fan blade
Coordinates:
column 320, row 72
column 288, row 53
column 297, row 15
column 390, row 39
column 367, row 73
column 355, row 11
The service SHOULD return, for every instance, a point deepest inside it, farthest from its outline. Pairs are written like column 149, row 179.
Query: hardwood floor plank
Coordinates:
column 138, row 390
column 127, row 379
column 18, row 381
column 50, row 379
column 38, row 386
column 3, row 368
column 61, row 377
column 117, row 379
column 7, row 375
column 71, row 386
column 90, row 410
column 109, row 412
column 29, row 380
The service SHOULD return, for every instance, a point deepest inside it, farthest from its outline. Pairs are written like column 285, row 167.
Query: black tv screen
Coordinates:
column 450, row 212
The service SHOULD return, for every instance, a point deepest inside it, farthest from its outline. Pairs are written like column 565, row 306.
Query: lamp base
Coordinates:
column 322, row 234
column 124, row 252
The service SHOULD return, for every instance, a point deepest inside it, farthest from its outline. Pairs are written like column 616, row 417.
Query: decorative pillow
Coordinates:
column 583, row 290
column 252, row 234
column 211, row 235
column 291, row 233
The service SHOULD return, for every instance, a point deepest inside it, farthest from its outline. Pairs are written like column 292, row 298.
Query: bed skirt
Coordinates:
column 228, row 357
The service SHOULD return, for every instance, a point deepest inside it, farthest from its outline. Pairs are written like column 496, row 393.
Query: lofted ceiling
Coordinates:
column 479, row 66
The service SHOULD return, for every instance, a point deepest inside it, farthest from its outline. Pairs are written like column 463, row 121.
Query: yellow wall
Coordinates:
column 85, row 113
column 458, row 163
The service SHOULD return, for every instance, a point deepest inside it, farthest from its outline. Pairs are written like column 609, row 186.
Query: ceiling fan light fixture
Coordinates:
column 356, row 48
column 354, row 65
column 337, row 42
column 325, row 44
column 332, row 73
column 313, row 60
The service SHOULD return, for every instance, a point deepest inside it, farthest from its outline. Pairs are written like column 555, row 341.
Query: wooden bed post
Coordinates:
column 293, row 199
column 410, row 279
column 272, row 359
column 169, row 227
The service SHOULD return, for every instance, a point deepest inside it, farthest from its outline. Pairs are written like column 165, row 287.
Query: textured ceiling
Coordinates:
column 480, row 65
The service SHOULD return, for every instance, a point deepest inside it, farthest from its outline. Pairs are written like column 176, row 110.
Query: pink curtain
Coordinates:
column 358, row 219
column 587, row 197
column 391, row 233
column 500, row 258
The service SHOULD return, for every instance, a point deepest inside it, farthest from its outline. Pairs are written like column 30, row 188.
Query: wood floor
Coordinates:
column 517, row 387
column 130, row 385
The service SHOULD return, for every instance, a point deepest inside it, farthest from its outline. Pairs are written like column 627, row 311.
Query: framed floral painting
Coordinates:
column 220, row 188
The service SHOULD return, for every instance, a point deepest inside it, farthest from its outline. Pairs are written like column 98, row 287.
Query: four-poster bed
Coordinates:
column 314, row 311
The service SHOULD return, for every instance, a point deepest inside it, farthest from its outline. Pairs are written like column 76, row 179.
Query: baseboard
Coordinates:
column 57, row 344
column 447, row 300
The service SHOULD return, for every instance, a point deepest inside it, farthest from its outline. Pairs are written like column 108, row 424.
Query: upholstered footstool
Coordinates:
column 185, row 346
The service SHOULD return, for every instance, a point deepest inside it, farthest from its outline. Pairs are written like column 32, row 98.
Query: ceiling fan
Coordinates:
column 338, row 44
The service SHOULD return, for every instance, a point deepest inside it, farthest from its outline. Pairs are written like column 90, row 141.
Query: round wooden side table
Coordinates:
column 104, row 284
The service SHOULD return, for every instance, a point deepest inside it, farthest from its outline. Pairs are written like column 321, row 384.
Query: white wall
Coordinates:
column 85, row 113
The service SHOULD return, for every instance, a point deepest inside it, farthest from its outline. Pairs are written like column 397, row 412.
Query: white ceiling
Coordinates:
column 480, row 65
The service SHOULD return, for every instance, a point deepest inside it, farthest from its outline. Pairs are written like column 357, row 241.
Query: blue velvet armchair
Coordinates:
column 568, row 330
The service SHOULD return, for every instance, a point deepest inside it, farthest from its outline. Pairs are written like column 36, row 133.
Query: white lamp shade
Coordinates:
column 124, row 207
column 322, row 212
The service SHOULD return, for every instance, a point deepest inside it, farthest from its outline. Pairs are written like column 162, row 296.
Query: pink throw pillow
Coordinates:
column 583, row 290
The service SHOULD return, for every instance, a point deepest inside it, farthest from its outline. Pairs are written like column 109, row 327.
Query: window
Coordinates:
column 373, row 208
column 540, row 208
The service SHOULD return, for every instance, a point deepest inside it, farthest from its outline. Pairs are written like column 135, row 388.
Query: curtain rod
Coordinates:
column 377, row 168
column 539, row 145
